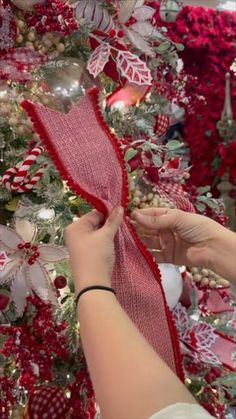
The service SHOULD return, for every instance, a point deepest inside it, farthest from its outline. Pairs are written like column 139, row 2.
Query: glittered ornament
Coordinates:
column 63, row 82
column 169, row 10
column 27, row 4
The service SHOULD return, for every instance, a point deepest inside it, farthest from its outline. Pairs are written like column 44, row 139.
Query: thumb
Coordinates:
column 90, row 221
column 114, row 221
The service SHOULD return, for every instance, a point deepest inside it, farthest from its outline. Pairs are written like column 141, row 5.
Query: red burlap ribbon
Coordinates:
column 88, row 156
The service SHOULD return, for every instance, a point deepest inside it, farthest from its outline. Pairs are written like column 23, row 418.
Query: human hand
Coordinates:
column 178, row 237
column 91, row 248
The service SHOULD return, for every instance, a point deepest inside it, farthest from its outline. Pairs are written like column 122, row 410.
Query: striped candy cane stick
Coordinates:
column 24, row 169
column 6, row 179
column 17, row 179
column 26, row 187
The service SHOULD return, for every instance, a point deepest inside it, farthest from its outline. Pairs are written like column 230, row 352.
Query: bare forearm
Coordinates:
column 129, row 378
column 223, row 256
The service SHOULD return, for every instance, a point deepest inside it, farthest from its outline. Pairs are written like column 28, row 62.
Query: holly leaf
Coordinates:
column 99, row 59
column 164, row 46
column 157, row 160
column 173, row 145
column 133, row 69
column 130, row 154
column 202, row 190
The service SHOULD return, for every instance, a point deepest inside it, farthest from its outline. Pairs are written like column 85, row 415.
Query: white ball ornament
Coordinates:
column 172, row 283
column 169, row 10
column 26, row 4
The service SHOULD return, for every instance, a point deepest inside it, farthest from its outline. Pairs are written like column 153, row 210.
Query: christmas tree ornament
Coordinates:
column 169, row 10
column 172, row 283
column 128, row 95
column 27, row 264
column 64, row 82
column 91, row 12
column 27, row 5
column 18, row 179
column 48, row 403
column 136, row 277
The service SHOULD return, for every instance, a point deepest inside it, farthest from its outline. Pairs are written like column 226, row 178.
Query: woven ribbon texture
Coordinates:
column 88, row 156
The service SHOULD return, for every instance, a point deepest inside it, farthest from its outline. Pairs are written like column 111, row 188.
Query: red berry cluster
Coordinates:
column 82, row 396
column 34, row 346
column 31, row 251
column 53, row 16
column 116, row 34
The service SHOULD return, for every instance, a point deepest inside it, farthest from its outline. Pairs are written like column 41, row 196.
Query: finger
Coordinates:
column 114, row 221
column 143, row 231
column 89, row 222
column 167, row 243
column 149, row 211
column 167, row 220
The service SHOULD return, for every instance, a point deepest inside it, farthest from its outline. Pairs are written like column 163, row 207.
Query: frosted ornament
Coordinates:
column 172, row 283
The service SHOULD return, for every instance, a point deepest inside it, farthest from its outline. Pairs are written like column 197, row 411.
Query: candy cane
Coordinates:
column 22, row 182
column 32, row 182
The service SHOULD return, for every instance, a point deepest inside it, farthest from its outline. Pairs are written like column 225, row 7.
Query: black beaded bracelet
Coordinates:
column 93, row 287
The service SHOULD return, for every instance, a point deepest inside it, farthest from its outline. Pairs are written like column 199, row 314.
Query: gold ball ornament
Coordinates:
column 26, row 5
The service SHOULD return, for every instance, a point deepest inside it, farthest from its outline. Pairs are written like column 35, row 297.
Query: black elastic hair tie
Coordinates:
column 93, row 287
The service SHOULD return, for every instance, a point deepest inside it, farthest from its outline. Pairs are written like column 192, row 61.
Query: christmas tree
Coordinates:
column 53, row 52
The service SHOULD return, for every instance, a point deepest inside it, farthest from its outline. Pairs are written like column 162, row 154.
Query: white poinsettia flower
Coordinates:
column 26, row 264
column 140, row 30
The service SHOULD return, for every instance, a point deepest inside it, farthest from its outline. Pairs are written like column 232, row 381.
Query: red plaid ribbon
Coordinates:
column 162, row 124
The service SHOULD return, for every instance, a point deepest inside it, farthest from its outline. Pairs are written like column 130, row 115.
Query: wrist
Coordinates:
column 222, row 252
column 82, row 282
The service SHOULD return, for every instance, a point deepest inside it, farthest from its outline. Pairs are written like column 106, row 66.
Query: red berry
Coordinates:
column 34, row 248
column 27, row 245
column 216, row 372
column 60, row 282
column 21, row 246
column 120, row 34
column 31, row 260
column 36, row 255
column 210, row 378
column 112, row 33
column 4, row 301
